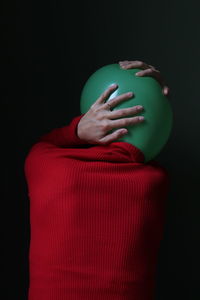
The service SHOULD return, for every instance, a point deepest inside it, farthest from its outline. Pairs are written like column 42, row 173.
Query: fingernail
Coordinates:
column 139, row 107
column 130, row 94
column 166, row 91
column 124, row 131
column 114, row 85
column 141, row 118
column 137, row 74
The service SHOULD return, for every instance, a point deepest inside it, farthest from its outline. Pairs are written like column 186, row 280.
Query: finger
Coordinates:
column 166, row 90
column 157, row 75
column 133, row 64
column 125, row 112
column 149, row 72
column 125, row 122
column 152, row 73
column 152, row 67
column 118, row 99
column 124, row 62
column 106, row 94
column 113, row 136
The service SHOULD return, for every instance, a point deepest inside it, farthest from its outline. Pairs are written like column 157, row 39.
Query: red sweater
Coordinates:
column 97, row 215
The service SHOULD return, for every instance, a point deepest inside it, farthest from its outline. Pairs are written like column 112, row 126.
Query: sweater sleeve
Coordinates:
column 64, row 136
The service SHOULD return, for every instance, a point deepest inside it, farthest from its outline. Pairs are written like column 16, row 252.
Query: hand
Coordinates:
column 94, row 126
column 148, row 70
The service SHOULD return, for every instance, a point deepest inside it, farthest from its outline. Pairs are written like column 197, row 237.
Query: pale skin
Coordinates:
column 95, row 126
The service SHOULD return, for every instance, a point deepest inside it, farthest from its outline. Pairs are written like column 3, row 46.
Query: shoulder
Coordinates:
column 36, row 152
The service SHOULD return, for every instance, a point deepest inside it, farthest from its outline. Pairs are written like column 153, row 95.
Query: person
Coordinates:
column 97, row 211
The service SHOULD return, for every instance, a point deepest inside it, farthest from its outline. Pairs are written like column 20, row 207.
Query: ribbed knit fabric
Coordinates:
column 97, row 215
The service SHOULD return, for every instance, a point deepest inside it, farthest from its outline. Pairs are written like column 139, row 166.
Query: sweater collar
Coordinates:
column 114, row 152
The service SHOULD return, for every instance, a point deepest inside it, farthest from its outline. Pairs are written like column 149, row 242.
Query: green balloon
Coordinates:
column 152, row 134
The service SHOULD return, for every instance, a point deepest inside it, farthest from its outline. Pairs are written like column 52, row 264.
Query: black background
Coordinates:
column 49, row 49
